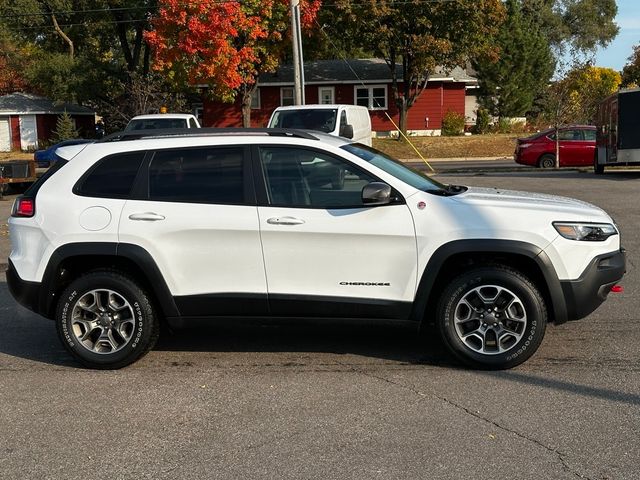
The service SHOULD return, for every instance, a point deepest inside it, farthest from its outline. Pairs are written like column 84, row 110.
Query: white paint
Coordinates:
column 94, row 219
column 5, row 135
column 28, row 132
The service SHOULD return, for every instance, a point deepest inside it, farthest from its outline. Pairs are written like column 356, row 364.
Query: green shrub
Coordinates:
column 452, row 124
column 483, row 122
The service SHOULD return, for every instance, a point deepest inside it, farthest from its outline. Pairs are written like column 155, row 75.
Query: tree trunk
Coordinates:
column 403, row 110
column 247, row 95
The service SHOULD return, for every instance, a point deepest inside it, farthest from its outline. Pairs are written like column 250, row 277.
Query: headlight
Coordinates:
column 590, row 232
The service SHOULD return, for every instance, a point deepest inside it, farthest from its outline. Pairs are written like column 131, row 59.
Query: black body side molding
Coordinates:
column 493, row 247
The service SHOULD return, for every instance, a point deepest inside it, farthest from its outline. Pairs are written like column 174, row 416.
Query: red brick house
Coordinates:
column 360, row 81
column 27, row 121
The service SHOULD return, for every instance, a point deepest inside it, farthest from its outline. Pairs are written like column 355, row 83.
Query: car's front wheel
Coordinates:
column 105, row 320
column 492, row 317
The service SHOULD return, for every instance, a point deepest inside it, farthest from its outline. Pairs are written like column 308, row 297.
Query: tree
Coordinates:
column 509, row 86
column 586, row 87
column 65, row 128
column 575, row 25
column 631, row 71
column 224, row 45
column 420, row 36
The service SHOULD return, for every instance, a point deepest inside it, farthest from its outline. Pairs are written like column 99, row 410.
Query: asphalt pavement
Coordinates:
column 243, row 401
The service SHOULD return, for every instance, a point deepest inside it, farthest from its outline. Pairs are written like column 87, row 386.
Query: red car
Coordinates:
column 577, row 147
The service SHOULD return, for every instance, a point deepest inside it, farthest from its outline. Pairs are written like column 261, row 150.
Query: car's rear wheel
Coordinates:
column 492, row 317
column 105, row 320
column 547, row 161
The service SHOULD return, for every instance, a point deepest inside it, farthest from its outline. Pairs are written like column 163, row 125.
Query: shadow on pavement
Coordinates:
column 29, row 336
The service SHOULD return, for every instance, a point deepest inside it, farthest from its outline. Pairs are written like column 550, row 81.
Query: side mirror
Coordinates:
column 376, row 193
column 346, row 131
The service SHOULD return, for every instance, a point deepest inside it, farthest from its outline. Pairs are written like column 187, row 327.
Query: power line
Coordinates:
column 149, row 8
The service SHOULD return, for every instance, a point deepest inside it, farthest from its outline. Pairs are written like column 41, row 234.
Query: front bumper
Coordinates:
column 26, row 293
column 584, row 295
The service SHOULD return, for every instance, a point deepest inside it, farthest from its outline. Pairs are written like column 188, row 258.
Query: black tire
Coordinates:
column 598, row 168
column 142, row 326
column 531, row 326
column 547, row 161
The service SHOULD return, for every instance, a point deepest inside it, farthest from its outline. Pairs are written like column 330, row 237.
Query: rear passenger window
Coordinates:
column 199, row 175
column 590, row 135
column 113, row 176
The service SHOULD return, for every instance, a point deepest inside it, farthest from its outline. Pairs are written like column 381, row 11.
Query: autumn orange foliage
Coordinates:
column 224, row 44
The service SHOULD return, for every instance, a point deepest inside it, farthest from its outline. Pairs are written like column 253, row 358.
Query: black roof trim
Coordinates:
column 206, row 132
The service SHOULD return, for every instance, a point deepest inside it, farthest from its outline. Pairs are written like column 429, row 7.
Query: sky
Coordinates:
column 628, row 19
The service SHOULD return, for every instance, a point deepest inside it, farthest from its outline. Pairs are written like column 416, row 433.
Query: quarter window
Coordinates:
column 199, row 175
column 373, row 97
column 297, row 177
column 113, row 176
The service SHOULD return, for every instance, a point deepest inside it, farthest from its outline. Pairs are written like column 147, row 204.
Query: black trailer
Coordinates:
column 618, row 130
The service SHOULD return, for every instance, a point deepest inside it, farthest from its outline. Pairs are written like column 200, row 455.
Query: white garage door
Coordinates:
column 5, row 135
column 28, row 132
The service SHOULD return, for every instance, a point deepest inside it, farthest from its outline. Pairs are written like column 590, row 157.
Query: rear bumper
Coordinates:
column 584, row 295
column 26, row 293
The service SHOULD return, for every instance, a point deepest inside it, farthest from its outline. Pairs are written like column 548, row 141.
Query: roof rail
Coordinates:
column 206, row 132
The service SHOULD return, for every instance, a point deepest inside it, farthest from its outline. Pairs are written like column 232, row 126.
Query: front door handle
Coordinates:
column 285, row 221
column 146, row 217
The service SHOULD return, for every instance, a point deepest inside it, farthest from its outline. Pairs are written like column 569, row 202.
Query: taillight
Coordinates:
column 24, row 207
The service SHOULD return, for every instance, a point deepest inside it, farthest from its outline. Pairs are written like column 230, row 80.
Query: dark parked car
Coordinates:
column 44, row 158
column 577, row 147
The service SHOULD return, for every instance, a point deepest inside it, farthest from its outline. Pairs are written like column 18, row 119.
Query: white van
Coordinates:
column 162, row 121
column 348, row 121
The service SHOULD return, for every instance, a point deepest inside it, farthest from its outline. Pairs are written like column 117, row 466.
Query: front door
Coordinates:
column 199, row 221
column 5, row 135
column 327, row 254
column 28, row 132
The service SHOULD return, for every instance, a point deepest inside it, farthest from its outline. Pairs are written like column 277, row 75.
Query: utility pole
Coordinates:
column 298, row 62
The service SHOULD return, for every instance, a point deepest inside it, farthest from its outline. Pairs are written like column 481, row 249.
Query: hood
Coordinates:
column 496, row 197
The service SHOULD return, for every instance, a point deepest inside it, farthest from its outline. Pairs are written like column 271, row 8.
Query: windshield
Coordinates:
column 394, row 167
column 155, row 123
column 322, row 120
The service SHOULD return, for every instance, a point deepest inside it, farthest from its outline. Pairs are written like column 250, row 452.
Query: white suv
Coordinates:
column 134, row 230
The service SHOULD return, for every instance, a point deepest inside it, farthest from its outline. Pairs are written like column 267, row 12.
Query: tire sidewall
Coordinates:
column 531, row 300
column 143, row 332
column 546, row 158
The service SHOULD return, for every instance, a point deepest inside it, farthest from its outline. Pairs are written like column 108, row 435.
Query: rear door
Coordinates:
column 195, row 213
column 571, row 147
column 327, row 254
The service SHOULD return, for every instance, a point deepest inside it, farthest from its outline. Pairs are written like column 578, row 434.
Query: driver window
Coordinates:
column 298, row 177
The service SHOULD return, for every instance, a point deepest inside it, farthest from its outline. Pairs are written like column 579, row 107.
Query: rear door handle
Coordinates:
column 285, row 221
column 146, row 217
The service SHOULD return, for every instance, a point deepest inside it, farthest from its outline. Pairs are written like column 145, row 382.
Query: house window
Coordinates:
column 326, row 95
column 373, row 97
column 286, row 96
column 255, row 100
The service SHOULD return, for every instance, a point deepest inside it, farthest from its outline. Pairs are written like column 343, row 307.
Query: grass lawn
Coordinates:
column 4, row 156
column 498, row 145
